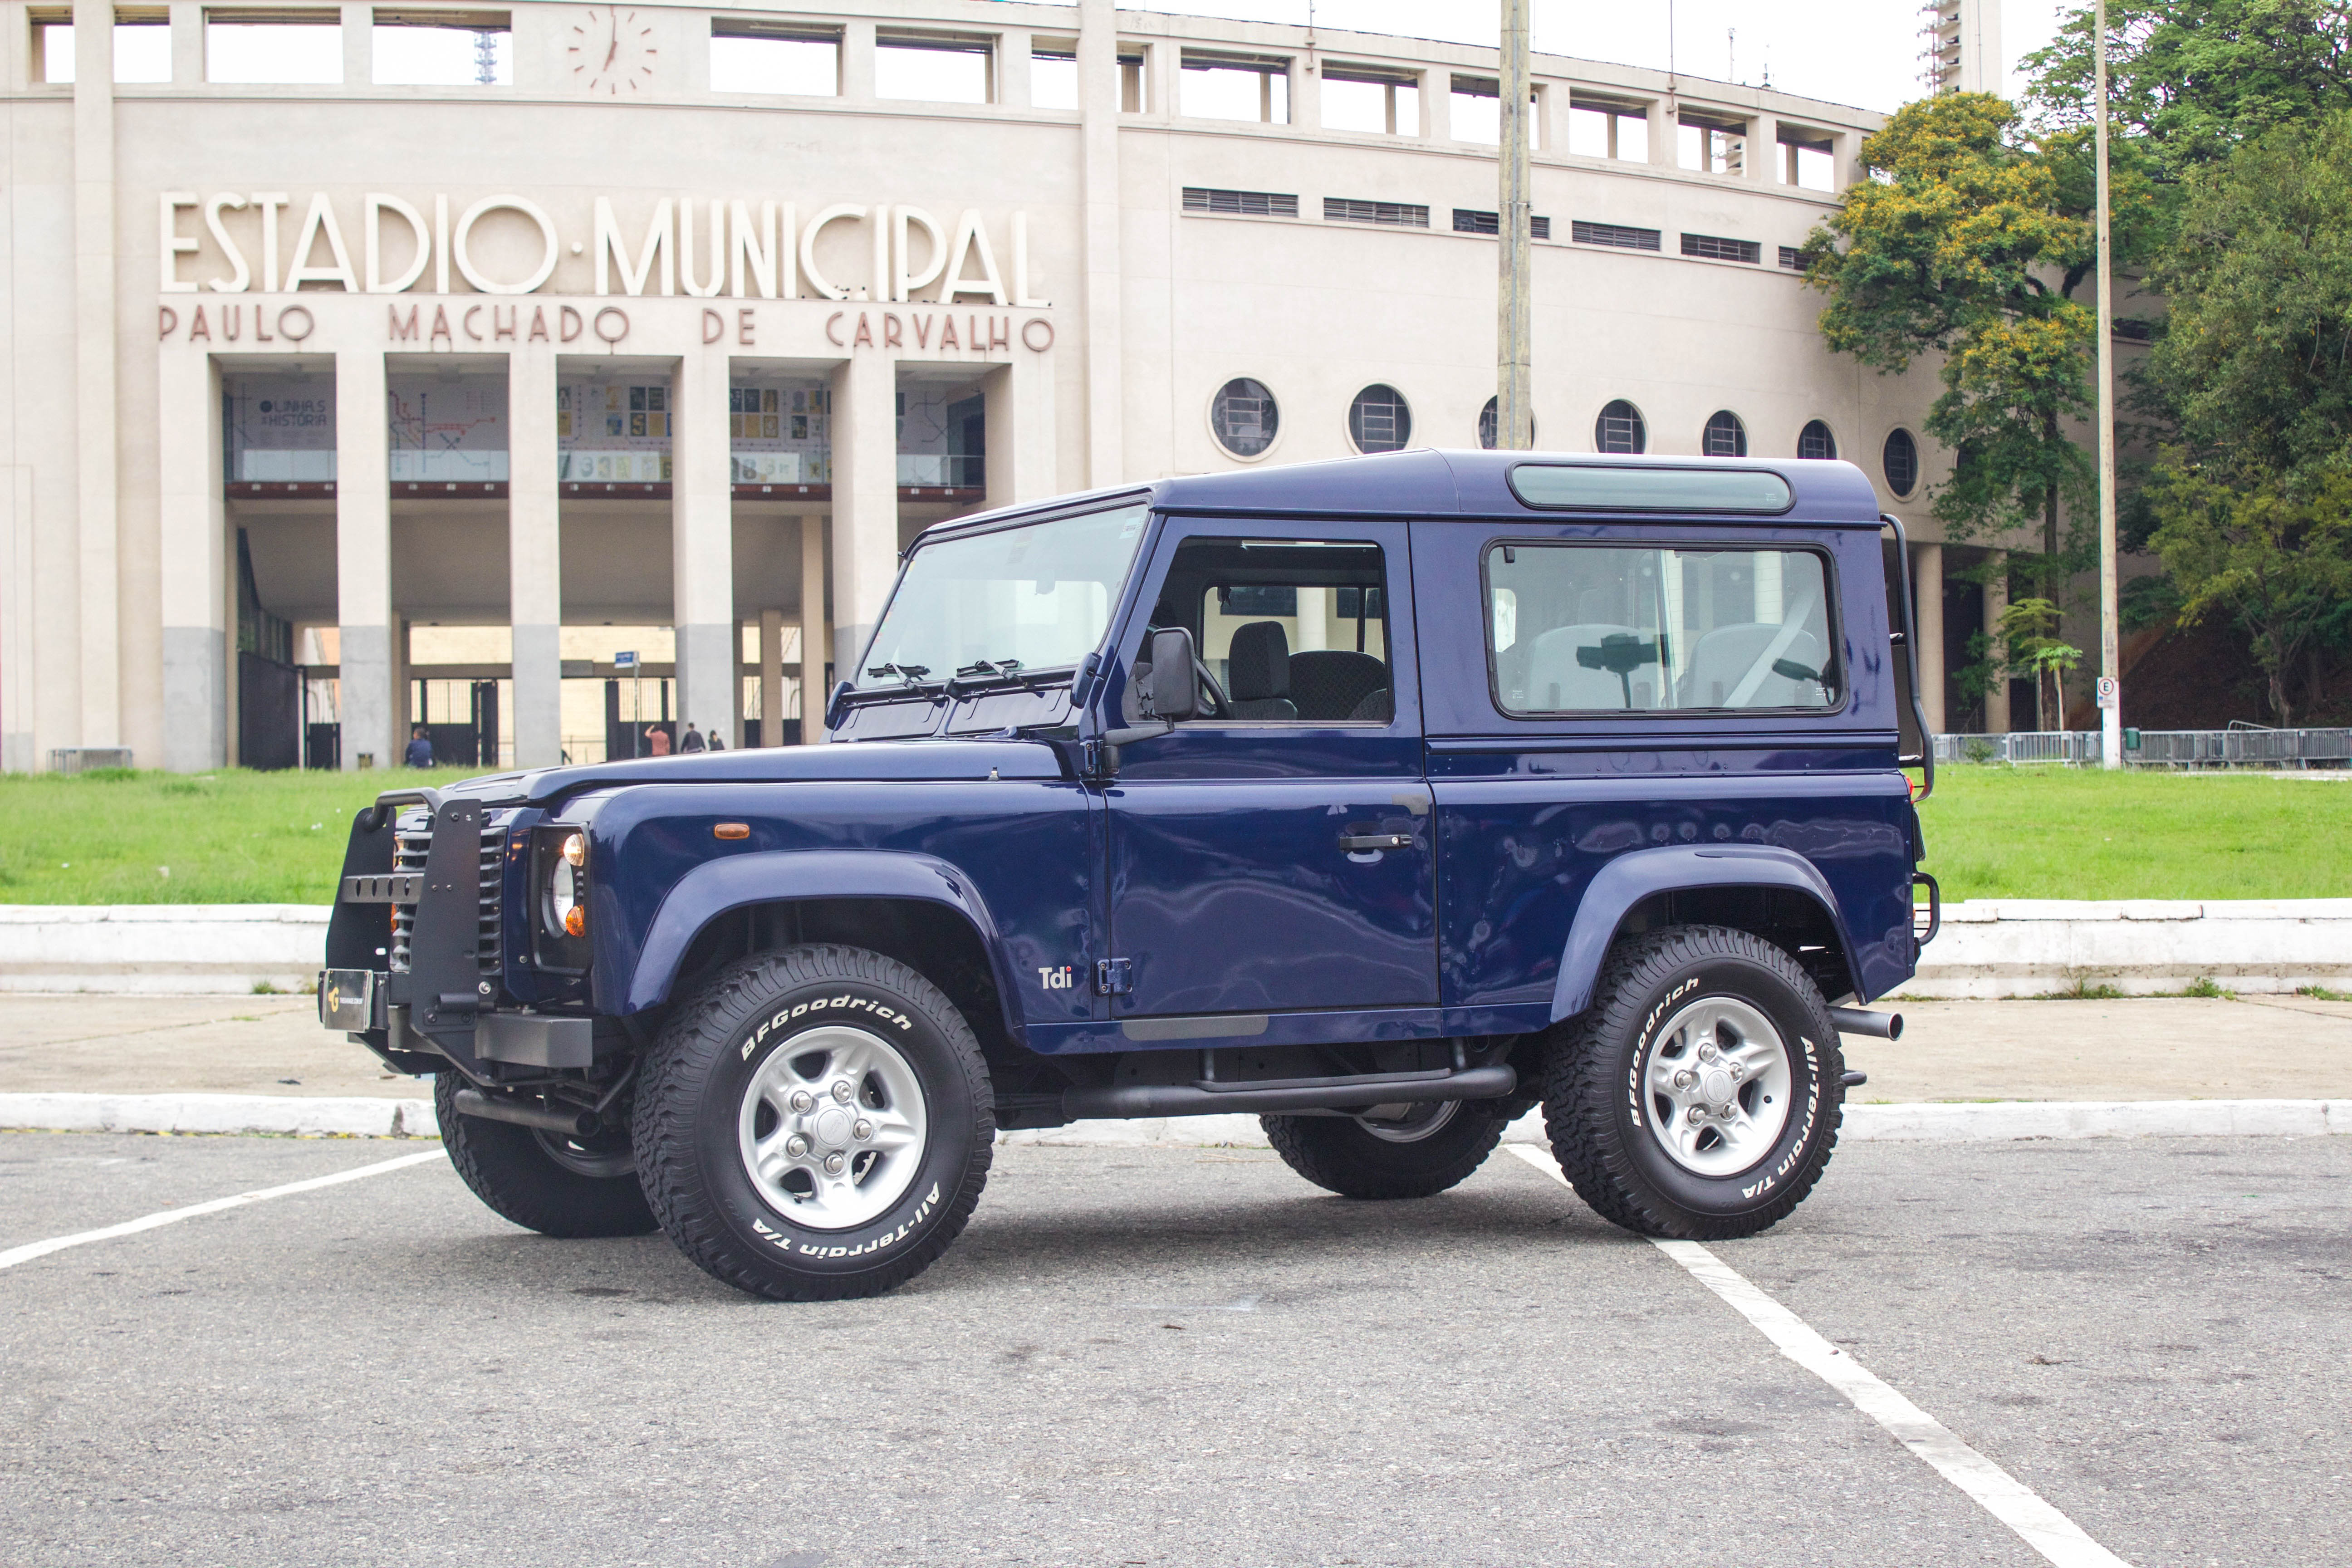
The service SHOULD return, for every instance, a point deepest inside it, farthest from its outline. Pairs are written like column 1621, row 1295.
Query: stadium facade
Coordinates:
column 374, row 366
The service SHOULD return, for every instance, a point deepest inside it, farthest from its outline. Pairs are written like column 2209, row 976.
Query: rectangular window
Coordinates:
column 1377, row 102
column 1132, row 98
column 1617, row 235
column 143, row 45
column 1399, row 215
column 1474, row 112
column 1715, row 248
column 1240, row 204
column 1581, row 629
column 1469, row 221
column 1808, row 160
column 753, row 55
column 446, row 427
column 274, row 47
column 1604, row 128
column 1294, row 633
column 611, row 432
column 443, row 48
column 778, row 432
column 279, row 427
column 1053, row 76
column 1235, row 87
column 1794, row 260
column 936, row 67
column 1711, row 143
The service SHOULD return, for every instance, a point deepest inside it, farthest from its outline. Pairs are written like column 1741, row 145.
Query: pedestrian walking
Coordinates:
column 693, row 741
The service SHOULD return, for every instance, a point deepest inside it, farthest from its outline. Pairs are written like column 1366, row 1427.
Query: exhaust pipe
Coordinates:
column 568, row 1124
column 1863, row 1021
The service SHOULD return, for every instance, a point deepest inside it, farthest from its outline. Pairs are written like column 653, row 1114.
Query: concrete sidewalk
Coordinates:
column 2167, row 1048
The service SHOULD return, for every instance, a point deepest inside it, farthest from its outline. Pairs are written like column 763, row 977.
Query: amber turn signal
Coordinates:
column 731, row 830
column 575, row 922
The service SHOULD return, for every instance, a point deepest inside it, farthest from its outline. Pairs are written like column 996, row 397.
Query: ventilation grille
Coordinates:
column 413, row 838
column 1240, row 204
column 1715, row 248
column 1468, row 220
column 1616, row 234
column 1396, row 214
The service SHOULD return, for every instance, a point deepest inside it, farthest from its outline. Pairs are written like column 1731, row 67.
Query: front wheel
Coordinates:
column 1391, row 1151
column 816, row 1124
column 1699, row 1096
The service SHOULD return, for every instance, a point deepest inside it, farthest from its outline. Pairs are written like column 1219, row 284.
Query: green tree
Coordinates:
column 1961, row 243
column 2030, row 629
column 2190, row 79
column 2255, row 368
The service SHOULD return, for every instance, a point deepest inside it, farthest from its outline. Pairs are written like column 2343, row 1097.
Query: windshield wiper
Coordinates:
column 909, row 673
column 988, row 666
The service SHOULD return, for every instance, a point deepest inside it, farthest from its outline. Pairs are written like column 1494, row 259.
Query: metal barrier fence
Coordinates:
column 2158, row 748
column 84, row 758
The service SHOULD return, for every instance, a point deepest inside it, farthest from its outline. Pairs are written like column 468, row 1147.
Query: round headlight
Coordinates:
column 575, row 850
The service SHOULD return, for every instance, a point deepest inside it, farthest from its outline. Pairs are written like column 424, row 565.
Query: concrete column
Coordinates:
column 100, row 666
column 1927, row 596
column 187, row 42
column 534, row 558
column 865, row 499
column 1437, row 104
column 817, row 627
column 1306, row 94
column 194, row 552
column 702, row 544
column 1098, row 134
column 19, row 744
column 1012, row 69
column 1763, row 149
column 1018, row 406
column 1665, row 117
column 1995, row 600
column 771, row 678
column 1849, row 158
column 358, row 50
column 373, row 702
column 857, row 60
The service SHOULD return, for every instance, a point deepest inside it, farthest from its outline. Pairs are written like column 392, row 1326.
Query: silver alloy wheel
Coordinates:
column 1410, row 1124
column 1718, row 1079
column 832, row 1127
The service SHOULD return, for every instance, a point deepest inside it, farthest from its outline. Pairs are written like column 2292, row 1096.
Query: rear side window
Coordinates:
column 1590, row 628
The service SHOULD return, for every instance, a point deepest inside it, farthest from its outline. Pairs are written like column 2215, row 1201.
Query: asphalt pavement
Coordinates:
column 1184, row 1356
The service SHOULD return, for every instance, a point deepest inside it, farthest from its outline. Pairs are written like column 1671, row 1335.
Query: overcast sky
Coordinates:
column 1860, row 52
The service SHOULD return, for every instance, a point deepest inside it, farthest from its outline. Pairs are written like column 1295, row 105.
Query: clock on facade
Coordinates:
column 612, row 50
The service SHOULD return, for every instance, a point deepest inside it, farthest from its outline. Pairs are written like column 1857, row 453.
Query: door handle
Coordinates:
column 1357, row 843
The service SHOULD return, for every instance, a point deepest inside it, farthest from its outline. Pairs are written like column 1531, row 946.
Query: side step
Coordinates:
column 1350, row 1092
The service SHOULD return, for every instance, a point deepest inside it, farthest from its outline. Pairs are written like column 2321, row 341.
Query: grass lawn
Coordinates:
column 1992, row 832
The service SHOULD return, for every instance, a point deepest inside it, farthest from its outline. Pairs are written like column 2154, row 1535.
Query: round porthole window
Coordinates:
column 1814, row 441
column 1619, row 429
column 1243, row 417
column 1901, row 462
column 1488, row 419
column 1378, row 420
column 1725, row 435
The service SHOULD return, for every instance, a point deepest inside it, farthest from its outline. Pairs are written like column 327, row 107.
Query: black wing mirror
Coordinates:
column 1174, row 691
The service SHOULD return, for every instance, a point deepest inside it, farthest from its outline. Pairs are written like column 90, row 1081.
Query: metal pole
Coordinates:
column 2111, row 715
column 1515, row 393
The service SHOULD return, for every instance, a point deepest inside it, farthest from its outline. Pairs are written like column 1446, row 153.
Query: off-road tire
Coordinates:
column 510, row 1170
column 1600, row 1127
column 1341, row 1154
column 692, row 1088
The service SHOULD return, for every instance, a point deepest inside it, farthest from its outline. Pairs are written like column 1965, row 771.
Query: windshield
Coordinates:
column 1034, row 598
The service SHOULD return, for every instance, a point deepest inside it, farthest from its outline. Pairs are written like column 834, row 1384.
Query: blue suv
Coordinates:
column 1384, row 799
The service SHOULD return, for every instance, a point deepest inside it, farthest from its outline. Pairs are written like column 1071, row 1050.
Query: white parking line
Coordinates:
column 32, row 1250
column 2000, row 1494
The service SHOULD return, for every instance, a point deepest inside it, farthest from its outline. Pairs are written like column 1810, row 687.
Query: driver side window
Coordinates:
column 1290, row 631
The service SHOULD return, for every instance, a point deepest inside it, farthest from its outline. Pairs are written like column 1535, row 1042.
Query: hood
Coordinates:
column 892, row 760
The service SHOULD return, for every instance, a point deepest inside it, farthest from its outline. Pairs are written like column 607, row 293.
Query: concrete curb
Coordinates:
column 2000, row 1121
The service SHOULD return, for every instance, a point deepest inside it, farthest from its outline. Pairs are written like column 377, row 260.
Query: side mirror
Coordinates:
column 1174, row 692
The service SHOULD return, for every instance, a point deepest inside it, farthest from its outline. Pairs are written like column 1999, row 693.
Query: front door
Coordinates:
column 1275, row 855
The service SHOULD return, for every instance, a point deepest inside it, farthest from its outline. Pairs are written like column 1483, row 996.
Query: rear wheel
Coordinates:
column 1390, row 1152
column 816, row 1124
column 557, row 1186
column 1699, row 1096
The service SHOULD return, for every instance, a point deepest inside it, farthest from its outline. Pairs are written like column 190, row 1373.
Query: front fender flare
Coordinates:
column 719, row 886
column 1628, row 879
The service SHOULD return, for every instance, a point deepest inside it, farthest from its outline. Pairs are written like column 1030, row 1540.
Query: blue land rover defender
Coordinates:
column 1384, row 799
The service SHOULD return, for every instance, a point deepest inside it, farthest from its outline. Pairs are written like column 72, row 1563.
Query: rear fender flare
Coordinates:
column 717, row 888
column 1627, row 880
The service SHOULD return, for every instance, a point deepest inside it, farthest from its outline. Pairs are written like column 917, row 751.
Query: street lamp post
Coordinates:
column 2110, row 689
column 1514, row 395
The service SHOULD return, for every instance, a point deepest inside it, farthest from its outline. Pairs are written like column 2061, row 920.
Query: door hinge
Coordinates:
column 1114, row 976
